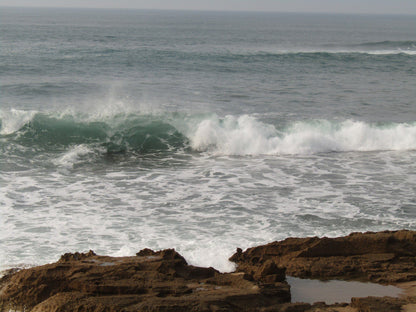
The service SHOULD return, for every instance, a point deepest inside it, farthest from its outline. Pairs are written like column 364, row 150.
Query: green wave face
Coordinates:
column 146, row 136
column 140, row 134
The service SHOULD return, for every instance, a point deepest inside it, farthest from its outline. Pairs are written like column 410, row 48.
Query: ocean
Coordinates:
column 201, row 131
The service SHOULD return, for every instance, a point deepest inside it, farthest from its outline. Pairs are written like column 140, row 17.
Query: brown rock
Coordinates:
column 295, row 307
column 375, row 304
column 268, row 272
column 150, row 281
column 384, row 257
column 163, row 281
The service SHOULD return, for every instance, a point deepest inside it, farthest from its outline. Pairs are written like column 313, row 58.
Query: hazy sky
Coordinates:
column 338, row 6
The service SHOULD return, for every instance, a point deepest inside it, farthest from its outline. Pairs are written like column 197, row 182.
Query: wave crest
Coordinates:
column 230, row 135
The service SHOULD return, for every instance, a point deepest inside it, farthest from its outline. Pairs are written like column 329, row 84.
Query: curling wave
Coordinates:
column 121, row 133
column 229, row 135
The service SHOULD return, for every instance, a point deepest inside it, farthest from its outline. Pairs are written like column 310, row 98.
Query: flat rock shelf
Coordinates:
column 163, row 281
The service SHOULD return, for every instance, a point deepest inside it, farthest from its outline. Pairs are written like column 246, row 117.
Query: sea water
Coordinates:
column 201, row 131
column 336, row 291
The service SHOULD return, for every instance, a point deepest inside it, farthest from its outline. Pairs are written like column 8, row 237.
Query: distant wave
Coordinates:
column 371, row 48
column 366, row 48
column 320, row 53
column 229, row 135
column 403, row 45
column 361, row 49
column 377, row 48
column 339, row 52
column 384, row 47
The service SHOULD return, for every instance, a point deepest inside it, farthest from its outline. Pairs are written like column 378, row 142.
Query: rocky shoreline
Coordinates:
column 163, row 281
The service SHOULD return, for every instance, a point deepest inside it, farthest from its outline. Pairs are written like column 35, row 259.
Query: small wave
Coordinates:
column 405, row 45
column 387, row 47
column 336, row 52
column 378, row 48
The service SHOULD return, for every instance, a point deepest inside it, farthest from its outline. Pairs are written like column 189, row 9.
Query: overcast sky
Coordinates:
column 337, row 6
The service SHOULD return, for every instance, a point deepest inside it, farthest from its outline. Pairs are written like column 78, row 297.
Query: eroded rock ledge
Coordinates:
column 163, row 281
column 150, row 281
column 382, row 257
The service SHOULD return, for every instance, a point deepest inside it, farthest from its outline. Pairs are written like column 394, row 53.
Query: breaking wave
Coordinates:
column 118, row 134
column 229, row 135
column 247, row 136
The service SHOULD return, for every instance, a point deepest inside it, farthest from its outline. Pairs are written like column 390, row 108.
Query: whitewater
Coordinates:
column 201, row 131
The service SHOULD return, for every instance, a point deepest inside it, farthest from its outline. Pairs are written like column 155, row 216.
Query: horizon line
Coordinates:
column 205, row 10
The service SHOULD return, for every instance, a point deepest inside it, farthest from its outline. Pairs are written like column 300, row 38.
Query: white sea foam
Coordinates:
column 245, row 135
column 204, row 208
column 199, row 251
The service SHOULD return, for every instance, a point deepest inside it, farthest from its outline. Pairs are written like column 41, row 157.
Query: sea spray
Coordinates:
column 14, row 119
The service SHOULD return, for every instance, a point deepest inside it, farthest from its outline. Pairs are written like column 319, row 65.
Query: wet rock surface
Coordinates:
column 163, row 281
